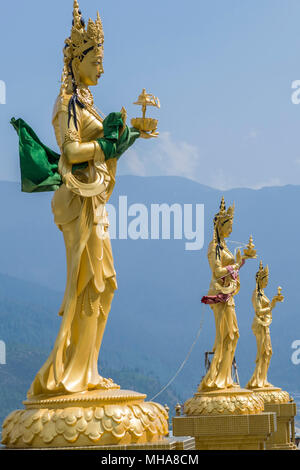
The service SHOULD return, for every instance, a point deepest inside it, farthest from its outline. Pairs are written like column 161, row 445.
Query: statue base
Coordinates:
column 228, row 419
column 100, row 418
column 271, row 395
column 278, row 401
column 167, row 443
column 227, row 432
column 231, row 401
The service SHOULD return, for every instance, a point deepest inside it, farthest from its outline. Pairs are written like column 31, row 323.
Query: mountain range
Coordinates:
column 156, row 313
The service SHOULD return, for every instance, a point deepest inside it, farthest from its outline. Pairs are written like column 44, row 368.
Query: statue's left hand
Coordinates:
column 146, row 135
column 276, row 298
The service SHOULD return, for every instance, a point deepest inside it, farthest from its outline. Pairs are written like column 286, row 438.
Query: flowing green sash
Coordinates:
column 39, row 164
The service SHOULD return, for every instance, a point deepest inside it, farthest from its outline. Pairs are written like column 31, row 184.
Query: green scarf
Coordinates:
column 39, row 164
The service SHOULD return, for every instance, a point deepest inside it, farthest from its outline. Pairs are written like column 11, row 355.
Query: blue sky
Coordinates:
column 223, row 70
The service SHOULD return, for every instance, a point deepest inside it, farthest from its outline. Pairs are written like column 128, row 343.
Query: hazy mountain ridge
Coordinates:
column 156, row 311
column 29, row 327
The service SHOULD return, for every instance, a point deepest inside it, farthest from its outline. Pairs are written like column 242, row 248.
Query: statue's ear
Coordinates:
column 75, row 68
column 75, row 65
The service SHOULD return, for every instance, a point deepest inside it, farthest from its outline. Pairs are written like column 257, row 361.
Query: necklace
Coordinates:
column 86, row 98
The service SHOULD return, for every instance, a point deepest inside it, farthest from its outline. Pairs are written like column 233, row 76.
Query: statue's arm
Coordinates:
column 74, row 150
column 215, row 263
column 259, row 309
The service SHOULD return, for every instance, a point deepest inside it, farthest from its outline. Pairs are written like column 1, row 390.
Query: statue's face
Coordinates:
column 226, row 228
column 90, row 69
column 264, row 281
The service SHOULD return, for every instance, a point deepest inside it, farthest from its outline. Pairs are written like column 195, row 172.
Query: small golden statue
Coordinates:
column 218, row 415
column 144, row 124
column 261, row 328
column 217, row 393
column 275, row 399
column 225, row 284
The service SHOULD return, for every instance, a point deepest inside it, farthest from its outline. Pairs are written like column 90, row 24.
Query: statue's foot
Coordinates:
column 233, row 385
column 106, row 384
column 229, row 386
column 267, row 384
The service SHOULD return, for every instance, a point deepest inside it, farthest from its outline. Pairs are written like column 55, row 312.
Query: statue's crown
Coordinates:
column 262, row 272
column 223, row 213
column 83, row 40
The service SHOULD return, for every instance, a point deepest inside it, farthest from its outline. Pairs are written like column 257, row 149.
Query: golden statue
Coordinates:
column 218, row 413
column 221, row 415
column 225, row 284
column 275, row 399
column 69, row 403
column 79, row 212
column 263, row 308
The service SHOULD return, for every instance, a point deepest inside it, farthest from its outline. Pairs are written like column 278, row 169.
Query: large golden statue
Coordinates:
column 79, row 212
column 69, row 403
column 263, row 308
column 225, row 284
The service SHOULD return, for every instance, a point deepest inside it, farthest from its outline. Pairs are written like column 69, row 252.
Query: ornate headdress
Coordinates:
column 80, row 43
column 261, row 273
column 222, row 215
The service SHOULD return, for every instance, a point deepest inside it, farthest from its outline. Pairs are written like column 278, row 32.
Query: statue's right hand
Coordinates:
column 123, row 114
column 124, row 118
column 239, row 258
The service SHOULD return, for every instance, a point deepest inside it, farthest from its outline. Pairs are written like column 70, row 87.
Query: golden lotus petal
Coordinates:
column 49, row 432
column 71, row 420
column 94, row 430
column 137, row 411
column 136, row 428
column 56, row 415
column 60, row 425
column 28, row 436
column 81, row 425
column 71, row 434
column 107, row 424
column 99, row 413
column 89, row 413
column 37, row 427
column 119, row 431
column 110, row 410
column 46, row 417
